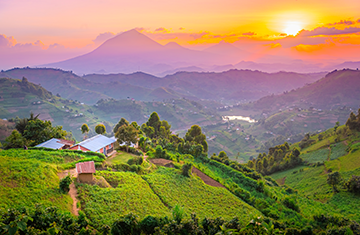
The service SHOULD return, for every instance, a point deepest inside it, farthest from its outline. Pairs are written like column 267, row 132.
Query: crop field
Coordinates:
column 338, row 150
column 195, row 196
column 316, row 156
column 26, row 182
column 130, row 193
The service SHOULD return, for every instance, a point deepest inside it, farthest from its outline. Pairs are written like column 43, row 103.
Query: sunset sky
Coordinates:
column 70, row 27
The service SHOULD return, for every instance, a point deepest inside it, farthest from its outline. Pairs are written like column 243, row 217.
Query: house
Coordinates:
column 98, row 143
column 85, row 171
column 56, row 144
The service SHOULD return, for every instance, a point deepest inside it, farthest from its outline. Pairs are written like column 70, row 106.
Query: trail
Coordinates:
column 73, row 191
column 205, row 178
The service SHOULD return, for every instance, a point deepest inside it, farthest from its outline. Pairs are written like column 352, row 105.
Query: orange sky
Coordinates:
column 70, row 26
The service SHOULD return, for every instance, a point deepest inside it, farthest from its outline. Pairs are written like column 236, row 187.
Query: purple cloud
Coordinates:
column 161, row 29
column 327, row 31
column 102, row 37
column 6, row 41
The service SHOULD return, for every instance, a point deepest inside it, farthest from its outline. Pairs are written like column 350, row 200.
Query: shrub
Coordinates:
column 186, row 169
column 148, row 224
column 126, row 225
column 291, row 203
column 353, row 184
column 65, row 184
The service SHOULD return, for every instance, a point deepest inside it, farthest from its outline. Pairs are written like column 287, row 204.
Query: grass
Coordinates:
column 120, row 157
column 25, row 182
column 130, row 194
column 195, row 196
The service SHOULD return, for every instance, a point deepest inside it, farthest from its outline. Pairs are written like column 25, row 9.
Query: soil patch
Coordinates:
column 207, row 180
column 160, row 161
column 73, row 191
column 281, row 181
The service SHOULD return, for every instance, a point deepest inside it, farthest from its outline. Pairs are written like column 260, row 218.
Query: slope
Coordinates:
column 329, row 152
column 336, row 89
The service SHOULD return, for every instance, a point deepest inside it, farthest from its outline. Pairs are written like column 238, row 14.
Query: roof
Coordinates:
column 54, row 143
column 96, row 143
column 85, row 167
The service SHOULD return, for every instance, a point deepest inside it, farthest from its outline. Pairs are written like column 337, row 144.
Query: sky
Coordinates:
column 50, row 30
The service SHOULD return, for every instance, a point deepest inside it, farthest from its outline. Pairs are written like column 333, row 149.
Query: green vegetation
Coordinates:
column 129, row 193
column 30, row 177
column 195, row 196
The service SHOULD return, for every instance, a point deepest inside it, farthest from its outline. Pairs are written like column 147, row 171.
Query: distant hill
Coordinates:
column 230, row 85
column 338, row 88
column 20, row 97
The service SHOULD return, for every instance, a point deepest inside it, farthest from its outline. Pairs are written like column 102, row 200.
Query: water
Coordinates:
column 241, row 118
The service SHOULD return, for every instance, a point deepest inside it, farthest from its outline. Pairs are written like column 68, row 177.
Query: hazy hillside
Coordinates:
column 233, row 85
column 336, row 89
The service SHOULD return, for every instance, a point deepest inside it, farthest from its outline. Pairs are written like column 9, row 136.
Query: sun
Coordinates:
column 292, row 27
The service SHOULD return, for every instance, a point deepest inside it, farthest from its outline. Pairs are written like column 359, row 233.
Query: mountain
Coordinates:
column 133, row 51
column 336, row 89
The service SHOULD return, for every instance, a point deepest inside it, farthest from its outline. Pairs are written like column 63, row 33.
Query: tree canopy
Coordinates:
column 121, row 122
column 100, row 129
column 128, row 135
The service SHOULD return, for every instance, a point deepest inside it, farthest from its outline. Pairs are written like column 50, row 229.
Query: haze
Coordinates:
column 321, row 33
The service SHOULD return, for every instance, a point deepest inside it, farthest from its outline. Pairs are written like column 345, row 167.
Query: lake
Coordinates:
column 241, row 118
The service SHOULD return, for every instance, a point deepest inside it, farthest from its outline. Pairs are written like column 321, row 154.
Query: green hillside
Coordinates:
column 329, row 152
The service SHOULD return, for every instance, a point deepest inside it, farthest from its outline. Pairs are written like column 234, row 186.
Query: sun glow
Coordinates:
column 292, row 27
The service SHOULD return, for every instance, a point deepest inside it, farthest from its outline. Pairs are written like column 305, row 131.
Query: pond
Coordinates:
column 241, row 118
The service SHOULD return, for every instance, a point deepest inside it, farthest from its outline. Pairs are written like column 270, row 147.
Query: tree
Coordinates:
column 100, row 129
column 39, row 131
column 154, row 121
column 334, row 179
column 337, row 124
column 85, row 129
column 127, row 135
column 16, row 140
column 122, row 121
column 21, row 123
column 195, row 135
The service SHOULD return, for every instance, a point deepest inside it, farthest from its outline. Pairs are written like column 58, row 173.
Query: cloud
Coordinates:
column 327, row 31
column 102, row 37
column 345, row 22
column 162, row 30
column 6, row 41
column 249, row 34
column 199, row 35
column 140, row 29
column 181, row 28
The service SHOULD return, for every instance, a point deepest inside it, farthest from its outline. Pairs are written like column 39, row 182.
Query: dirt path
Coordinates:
column 73, row 192
column 207, row 180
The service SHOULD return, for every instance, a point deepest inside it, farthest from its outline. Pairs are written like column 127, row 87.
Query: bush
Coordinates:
column 353, row 184
column 186, row 169
column 148, row 224
column 136, row 160
column 291, row 204
column 65, row 184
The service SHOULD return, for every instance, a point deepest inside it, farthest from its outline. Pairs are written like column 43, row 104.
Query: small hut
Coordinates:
column 85, row 171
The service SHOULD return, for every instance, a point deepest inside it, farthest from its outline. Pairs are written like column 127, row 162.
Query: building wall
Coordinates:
column 81, row 148
column 85, row 177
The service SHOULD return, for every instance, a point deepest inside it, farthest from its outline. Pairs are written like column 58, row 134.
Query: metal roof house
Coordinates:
column 98, row 143
column 56, row 144
column 85, row 171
